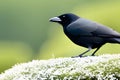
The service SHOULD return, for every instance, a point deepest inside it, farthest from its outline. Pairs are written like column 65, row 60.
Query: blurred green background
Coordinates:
column 27, row 34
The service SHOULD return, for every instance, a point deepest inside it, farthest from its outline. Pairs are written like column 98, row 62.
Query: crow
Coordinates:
column 86, row 33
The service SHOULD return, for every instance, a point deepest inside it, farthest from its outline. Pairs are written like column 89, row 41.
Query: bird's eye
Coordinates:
column 63, row 16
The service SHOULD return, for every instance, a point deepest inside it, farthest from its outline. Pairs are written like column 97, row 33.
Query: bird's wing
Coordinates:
column 81, row 27
column 105, row 32
column 84, row 27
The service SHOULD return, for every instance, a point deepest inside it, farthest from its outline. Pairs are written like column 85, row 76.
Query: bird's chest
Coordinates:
column 76, row 39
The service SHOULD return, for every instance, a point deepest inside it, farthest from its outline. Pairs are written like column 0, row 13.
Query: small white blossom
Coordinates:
column 104, row 67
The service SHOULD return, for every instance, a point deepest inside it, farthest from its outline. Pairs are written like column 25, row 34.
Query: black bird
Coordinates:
column 86, row 33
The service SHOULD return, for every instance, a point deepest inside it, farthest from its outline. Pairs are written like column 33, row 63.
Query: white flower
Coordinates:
column 91, row 67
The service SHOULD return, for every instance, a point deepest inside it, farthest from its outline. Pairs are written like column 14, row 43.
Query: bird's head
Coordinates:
column 65, row 19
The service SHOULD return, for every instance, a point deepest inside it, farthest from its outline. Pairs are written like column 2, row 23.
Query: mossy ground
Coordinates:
column 104, row 67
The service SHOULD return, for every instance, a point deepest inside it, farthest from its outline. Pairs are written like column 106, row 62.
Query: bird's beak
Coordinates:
column 55, row 19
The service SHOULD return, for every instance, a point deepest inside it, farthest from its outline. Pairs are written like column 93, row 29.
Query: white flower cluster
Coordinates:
column 104, row 67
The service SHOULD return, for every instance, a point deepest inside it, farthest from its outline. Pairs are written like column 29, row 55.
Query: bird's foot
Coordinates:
column 92, row 55
column 76, row 56
column 79, row 56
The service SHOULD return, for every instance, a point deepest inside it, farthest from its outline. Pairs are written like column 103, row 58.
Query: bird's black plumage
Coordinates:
column 86, row 33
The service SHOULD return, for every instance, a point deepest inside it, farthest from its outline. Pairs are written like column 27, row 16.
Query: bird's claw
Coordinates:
column 92, row 55
column 79, row 56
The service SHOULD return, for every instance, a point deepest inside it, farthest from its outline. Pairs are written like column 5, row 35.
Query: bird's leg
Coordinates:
column 83, row 53
column 93, row 54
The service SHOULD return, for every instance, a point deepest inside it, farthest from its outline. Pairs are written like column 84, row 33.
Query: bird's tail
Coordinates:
column 117, row 40
column 114, row 40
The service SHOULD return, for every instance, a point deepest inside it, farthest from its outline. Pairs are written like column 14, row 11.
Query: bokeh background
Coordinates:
column 26, row 33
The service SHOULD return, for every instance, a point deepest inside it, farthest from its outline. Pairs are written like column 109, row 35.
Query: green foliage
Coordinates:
column 24, row 27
